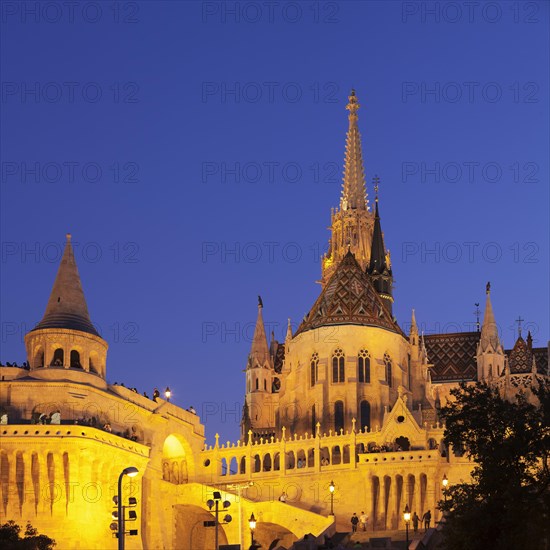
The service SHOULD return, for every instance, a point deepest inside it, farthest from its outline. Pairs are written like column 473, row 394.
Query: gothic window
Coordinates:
column 363, row 366
column 313, row 420
column 387, row 364
column 338, row 416
column 257, row 384
column 265, row 385
column 39, row 360
column 409, row 374
column 314, row 369
column 338, row 371
column 365, row 415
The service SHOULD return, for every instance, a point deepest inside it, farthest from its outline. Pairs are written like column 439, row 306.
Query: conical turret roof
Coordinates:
column 349, row 298
column 259, row 350
column 67, row 305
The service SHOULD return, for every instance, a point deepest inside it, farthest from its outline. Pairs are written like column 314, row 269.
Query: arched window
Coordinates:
column 363, row 366
column 365, row 415
column 39, row 359
column 58, row 358
column 314, row 369
column 257, row 384
column 265, row 385
column 75, row 359
column 338, row 416
column 313, row 420
column 387, row 363
column 338, row 371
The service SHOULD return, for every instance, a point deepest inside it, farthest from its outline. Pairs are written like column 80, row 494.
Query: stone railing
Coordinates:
column 307, row 453
column 73, row 431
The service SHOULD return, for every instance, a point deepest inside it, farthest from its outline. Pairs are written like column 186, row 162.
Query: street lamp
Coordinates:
column 331, row 489
column 407, row 518
column 227, row 518
column 130, row 472
column 167, row 393
column 445, row 482
column 252, row 525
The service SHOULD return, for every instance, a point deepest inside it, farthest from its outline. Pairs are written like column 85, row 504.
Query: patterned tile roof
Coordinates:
column 348, row 298
column 453, row 356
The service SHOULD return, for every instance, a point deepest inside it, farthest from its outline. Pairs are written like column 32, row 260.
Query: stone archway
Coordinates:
column 268, row 534
column 190, row 531
column 176, row 457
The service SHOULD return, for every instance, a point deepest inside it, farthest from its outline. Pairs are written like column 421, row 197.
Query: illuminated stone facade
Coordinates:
column 348, row 398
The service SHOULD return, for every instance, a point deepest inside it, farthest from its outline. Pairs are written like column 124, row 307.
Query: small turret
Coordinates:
column 490, row 353
column 65, row 338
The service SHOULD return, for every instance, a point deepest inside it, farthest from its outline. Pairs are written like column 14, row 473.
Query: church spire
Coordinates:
column 354, row 195
column 259, row 351
column 489, row 329
column 351, row 224
column 379, row 266
column 67, row 305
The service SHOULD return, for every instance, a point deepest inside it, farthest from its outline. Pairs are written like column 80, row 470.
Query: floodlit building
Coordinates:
column 348, row 400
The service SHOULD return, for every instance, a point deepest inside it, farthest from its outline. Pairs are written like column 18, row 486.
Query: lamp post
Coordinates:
column 167, row 393
column 252, row 525
column 407, row 518
column 445, row 482
column 130, row 472
column 331, row 489
column 227, row 518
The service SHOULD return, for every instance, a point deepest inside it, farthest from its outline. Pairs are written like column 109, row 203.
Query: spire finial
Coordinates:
column 519, row 320
column 68, row 235
column 488, row 288
column 260, row 303
column 376, row 183
column 353, row 104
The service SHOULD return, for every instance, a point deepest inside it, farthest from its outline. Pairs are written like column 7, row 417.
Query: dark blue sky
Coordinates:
column 195, row 158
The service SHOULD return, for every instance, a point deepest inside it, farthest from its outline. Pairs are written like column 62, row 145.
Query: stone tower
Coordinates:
column 261, row 399
column 65, row 343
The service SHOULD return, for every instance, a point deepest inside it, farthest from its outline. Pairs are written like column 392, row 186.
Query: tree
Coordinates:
column 507, row 503
column 10, row 538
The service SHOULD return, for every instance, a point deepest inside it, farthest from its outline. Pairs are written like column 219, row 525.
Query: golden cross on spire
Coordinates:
column 376, row 182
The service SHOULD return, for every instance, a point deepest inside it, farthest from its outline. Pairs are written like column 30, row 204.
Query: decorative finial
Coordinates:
column 519, row 320
column 260, row 303
column 488, row 287
column 376, row 182
column 477, row 313
column 68, row 235
column 353, row 105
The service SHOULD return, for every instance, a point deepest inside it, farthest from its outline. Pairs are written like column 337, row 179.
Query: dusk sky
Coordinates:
column 194, row 151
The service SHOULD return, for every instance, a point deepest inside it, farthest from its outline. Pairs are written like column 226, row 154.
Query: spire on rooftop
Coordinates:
column 489, row 328
column 354, row 195
column 67, row 305
column 259, row 351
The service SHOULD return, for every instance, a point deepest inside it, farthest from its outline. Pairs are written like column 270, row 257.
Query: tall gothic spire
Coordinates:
column 259, row 351
column 67, row 305
column 489, row 329
column 354, row 195
column 351, row 224
column 379, row 267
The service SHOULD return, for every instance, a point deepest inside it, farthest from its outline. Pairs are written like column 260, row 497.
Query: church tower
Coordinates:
column 490, row 353
column 261, row 399
column 351, row 224
column 65, row 343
